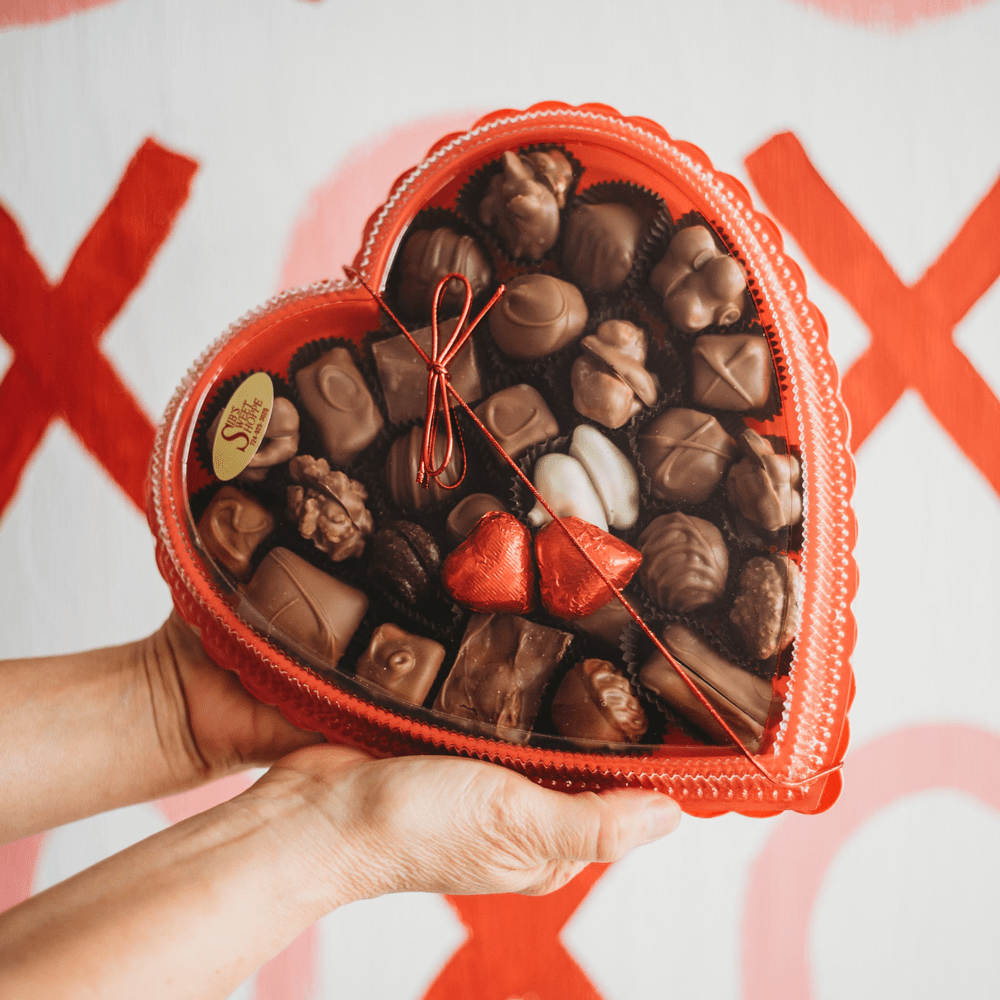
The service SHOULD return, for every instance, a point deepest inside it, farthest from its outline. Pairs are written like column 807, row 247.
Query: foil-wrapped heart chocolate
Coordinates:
column 570, row 586
column 492, row 570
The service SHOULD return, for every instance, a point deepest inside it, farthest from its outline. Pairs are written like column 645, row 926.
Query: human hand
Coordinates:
column 453, row 825
column 205, row 717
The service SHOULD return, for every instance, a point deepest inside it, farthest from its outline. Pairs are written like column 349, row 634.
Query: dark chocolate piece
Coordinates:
column 406, row 558
column 684, row 562
column 312, row 608
column 763, row 486
column 685, row 454
column 743, row 699
column 466, row 514
column 403, row 372
column 336, row 397
column 700, row 283
column 501, row 669
column 329, row 508
column 401, row 663
column 524, row 201
column 731, row 371
column 537, row 315
column 766, row 608
column 232, row 527
column 518, row 418
column 426, row 258
column 594, row 702
column 601, row 241
column 402, row 464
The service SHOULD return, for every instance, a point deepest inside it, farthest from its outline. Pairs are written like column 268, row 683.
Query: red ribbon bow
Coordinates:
column 438, row 389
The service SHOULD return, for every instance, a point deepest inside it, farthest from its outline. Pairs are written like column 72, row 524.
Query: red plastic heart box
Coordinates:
column 809, row 741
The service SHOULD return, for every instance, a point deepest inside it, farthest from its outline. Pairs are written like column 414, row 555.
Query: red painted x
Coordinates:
column 58, row 369
column 911, row 326
column 513, row 951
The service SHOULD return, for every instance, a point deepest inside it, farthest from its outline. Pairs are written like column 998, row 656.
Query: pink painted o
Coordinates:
column 327, row 233
column 889, row 13
column 786, row 878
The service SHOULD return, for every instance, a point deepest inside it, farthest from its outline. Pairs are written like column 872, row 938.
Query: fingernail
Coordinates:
column 662, row 817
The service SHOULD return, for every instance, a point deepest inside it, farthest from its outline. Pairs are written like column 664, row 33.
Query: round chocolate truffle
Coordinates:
column 406, row 558
column 401, row 467
column 684, row 562
column 685, row 454
column 537, row 315
column 467, row 513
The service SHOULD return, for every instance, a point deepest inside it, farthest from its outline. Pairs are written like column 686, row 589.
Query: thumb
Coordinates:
column 605, row 827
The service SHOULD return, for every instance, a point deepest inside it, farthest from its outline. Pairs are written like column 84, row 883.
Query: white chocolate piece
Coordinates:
column 567, row 489
column 611, row 474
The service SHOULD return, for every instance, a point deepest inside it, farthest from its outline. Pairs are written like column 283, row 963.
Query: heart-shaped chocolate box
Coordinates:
column 613, row 158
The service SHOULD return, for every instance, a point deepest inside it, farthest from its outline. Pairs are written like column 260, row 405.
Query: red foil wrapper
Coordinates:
column 571, row 587
column 492, row 571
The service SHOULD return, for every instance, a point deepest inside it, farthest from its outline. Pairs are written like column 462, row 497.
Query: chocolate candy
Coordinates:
column 569, row 584
column 407, row 559
column 329, row 508
column 465, row 515
column 606, row 623
column 766, row 608
column 685, row 454
column 731, row 371
column 500, row 671
column 492, row 569
column 568, row 491
column 518, row 418
column 232, row 527
column 601, row 241
column 700, row 283
column 524, row 201
column 610, row 473
column 336, row 397
column 426, row 258
column 610, row 384
column 402, row 464
column 403, row 372
column 537, row 315
column 763, row 486
column 313, row 609
column 594, row 702
column 743, row 699
column 684, row 562
column 401, row 663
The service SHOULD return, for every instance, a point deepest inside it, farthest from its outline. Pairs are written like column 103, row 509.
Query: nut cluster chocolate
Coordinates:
column 624, row 373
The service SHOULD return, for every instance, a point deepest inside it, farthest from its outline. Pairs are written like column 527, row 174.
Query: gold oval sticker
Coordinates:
column 242, row 425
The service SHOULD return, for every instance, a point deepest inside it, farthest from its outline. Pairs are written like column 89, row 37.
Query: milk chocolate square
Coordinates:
column 334, row 392
column 401, row 663
column 501, row 669
column 518, row 418
column 403, row 372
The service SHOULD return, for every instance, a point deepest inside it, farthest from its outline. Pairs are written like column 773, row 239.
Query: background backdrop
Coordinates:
column 260, row 134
